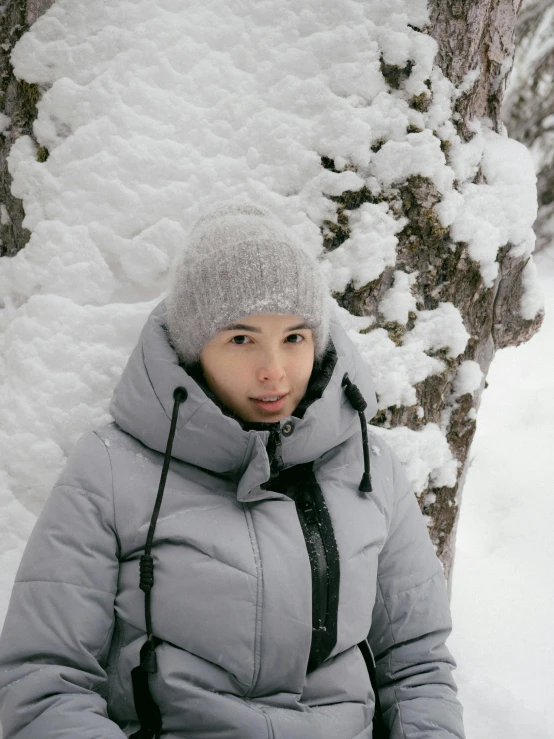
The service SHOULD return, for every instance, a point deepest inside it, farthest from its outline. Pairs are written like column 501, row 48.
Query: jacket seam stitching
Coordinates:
column 113, row 493
column 64, row 582
column 111, row 668
column 259, row 600
column 151, row 383
column 250, row 443
column 82, row 490
column 213, row 558
column 106, row 641
column 269, row 725
column 28, row 676
column 407, row 590
column 398, row 703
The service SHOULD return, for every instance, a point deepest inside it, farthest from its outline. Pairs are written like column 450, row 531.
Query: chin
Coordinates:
column 261, row 417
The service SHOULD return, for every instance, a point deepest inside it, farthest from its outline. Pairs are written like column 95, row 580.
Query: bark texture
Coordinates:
column 18, row 101
column 476, row 46
column 476, row 49
column 529, row 108
column 476, row 40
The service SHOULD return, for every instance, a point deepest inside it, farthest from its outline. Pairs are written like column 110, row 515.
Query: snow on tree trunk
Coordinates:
column 18, row 101
column 529, row 107
column 388, row 165
column 475, row 51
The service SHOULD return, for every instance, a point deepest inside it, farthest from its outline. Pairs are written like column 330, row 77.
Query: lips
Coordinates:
column 271, row 405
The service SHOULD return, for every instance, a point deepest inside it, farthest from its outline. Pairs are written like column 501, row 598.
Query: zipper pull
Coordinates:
column 274, row 451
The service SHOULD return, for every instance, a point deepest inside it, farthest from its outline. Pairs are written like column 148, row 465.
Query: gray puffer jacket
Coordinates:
column 233, row 596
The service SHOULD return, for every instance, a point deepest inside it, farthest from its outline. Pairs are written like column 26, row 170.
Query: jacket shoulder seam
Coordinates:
column 407, row 590
column 259, row 599
column 63, row 582
column 390, row 655
column 81, row 490
column 113, row 493
column 26, row 677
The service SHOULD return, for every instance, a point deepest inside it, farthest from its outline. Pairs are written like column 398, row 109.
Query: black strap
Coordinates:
column 380, row 730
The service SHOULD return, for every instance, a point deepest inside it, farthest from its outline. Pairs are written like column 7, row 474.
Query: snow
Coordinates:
column 4, row 215
column 5, row 123
column 59, row 358
column 503, row 599
column 419, row 154
column 503, row 210
column 425, row 455
column 150, row 114
column 398, row 301
column 395, row 369
column 441, row 328
column 360, row 259
column 468, row 379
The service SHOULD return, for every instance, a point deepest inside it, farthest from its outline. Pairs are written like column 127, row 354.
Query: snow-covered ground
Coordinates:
column 503, row 594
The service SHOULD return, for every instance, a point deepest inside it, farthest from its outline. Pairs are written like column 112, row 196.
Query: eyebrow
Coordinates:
column 254, row 329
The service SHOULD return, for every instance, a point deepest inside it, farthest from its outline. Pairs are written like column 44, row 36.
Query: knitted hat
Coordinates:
column 242, row 261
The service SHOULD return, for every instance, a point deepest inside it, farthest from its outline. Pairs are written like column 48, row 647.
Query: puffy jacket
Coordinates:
column 234, row 599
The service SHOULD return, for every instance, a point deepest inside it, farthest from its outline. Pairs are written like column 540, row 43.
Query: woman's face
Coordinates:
column 260, row 357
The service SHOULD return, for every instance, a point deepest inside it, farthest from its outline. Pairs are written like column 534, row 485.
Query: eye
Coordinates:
column 295, row 338
column 240, row 339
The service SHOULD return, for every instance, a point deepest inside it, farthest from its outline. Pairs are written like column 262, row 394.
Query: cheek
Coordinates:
column 301, row 369
column 231, row 376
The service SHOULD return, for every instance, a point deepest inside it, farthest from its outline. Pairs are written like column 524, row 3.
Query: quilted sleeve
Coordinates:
column 61, row 614
column 411, row 621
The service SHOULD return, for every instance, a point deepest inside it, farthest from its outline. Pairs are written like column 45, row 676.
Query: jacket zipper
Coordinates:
column 318, row 559
column 312, row 533
column 274, row 451
column 298, row 485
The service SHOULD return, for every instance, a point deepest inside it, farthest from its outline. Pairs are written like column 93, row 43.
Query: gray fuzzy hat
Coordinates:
column 239, row 261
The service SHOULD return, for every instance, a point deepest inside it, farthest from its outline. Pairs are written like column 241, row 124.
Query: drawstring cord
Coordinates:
column 147, row 711
column 358, row 402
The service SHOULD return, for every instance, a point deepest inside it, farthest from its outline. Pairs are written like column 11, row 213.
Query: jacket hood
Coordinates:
column 142, row 405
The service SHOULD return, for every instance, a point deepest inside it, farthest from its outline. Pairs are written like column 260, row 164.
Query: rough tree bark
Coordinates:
column 476, row 44
column 479, row 36
column 18, row 102
column 528, row 111
column 476, row 47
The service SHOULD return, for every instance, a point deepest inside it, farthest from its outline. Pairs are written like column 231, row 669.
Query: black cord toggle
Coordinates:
column 358, row 402
column 148, row 662
column 365, row 484
column 146, row 572
column 180, row 394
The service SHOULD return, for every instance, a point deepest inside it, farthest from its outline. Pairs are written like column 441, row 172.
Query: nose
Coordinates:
column 271, row 368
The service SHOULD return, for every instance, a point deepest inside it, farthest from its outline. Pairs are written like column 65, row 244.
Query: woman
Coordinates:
column 273, row 539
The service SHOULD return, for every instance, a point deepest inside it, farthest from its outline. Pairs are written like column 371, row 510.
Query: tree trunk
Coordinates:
column 476, row 46
column 529, row 107
column 18, row 101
